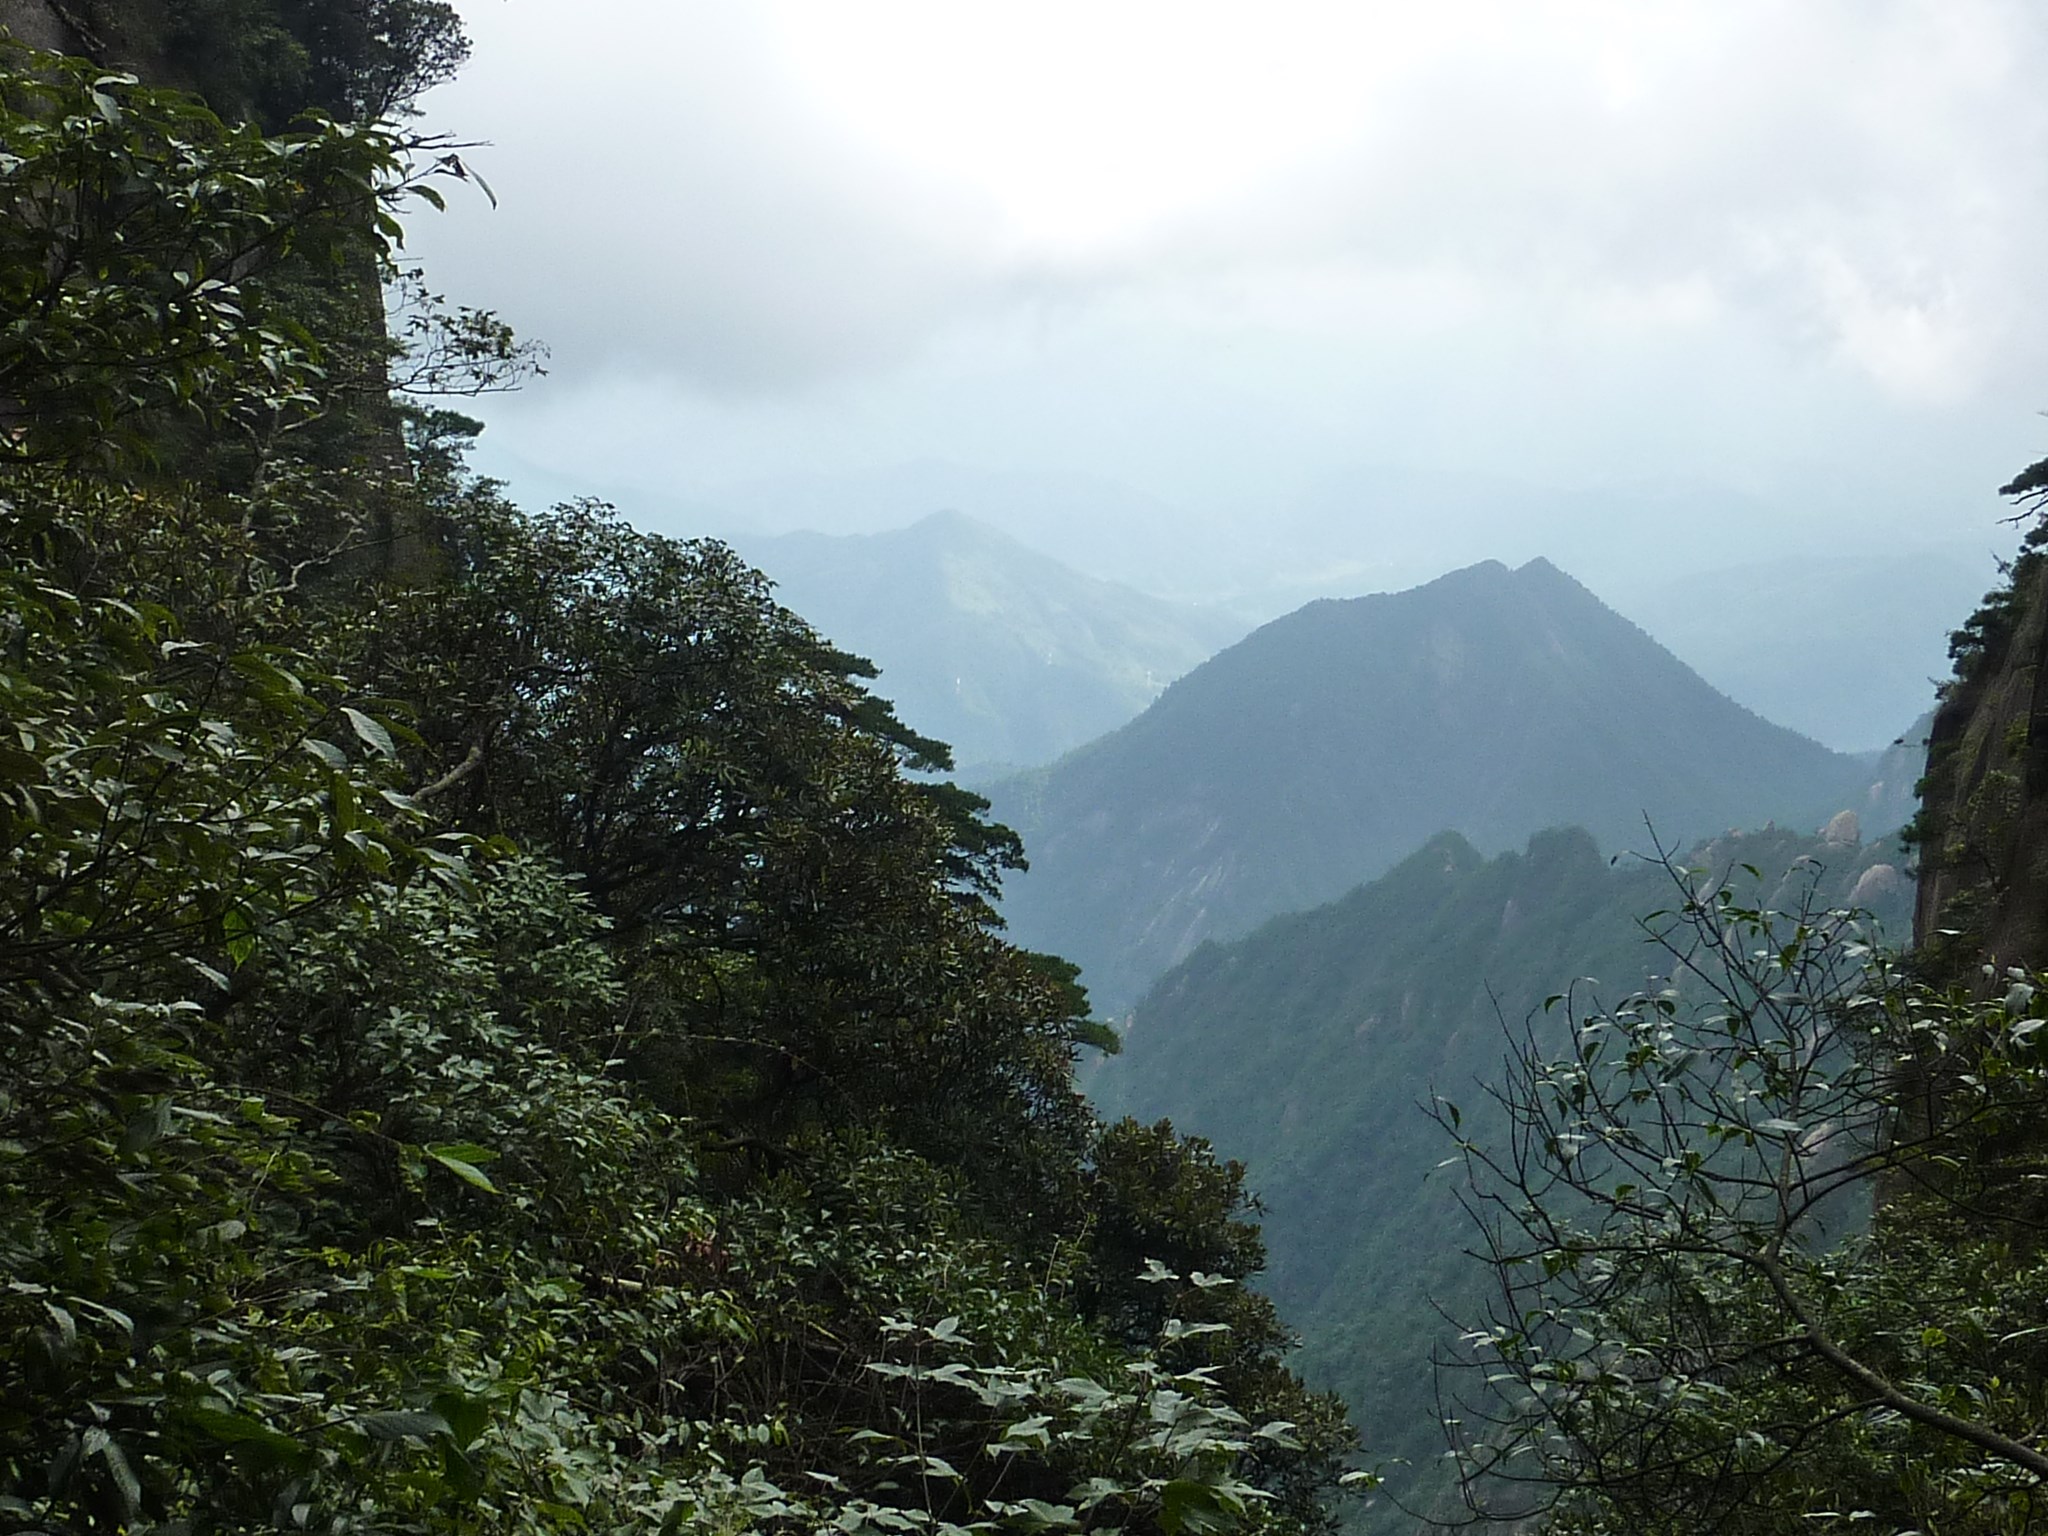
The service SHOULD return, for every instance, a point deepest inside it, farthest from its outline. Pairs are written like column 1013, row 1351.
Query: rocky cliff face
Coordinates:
column 121, row 36
column 38, row 24
column 134, row 35
column 1983, row 825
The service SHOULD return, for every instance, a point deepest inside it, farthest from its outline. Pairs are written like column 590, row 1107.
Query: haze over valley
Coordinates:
column 1326, row 304
column 1005, row 654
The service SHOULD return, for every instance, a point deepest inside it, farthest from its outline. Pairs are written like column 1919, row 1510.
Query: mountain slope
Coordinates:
column 1326, row 745
column 1307, row 1048
column 1843, row 647
column 1005, row 653
column 1099, row 526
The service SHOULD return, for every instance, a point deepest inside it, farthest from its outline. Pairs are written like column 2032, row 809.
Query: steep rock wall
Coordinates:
column 124, row 35
column 1983, row 826
column 36, row 23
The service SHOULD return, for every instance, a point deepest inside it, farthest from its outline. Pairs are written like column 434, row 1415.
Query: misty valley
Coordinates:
column 902, row 992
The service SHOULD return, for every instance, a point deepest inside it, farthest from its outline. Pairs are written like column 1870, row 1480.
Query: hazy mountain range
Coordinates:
column 1327, row 745
column 1839, row 641
column 1307, row 1049
column 1100, row 527
column 1290, row 862
column 1005, row 653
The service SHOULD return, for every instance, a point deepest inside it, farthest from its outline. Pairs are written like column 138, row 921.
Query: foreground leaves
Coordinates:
column 1766, row 1245
column 512, row 1051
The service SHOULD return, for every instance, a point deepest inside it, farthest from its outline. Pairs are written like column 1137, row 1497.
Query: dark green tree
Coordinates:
column 513, row 1052
column 137, row 230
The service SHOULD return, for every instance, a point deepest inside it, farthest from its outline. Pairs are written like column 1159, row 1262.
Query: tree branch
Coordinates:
column 1882, row 1390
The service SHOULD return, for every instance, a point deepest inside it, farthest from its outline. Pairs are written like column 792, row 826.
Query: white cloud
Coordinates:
column 1224, row 251
column 757, row 197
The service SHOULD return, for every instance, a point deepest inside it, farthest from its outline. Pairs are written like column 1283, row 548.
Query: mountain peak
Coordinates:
column 1331, row 743
column 1480, row 571
column 953, row 525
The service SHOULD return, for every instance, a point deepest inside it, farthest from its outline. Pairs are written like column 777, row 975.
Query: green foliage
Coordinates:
column 164, row 795
column 268, row 61
column 1984, row 768
column 2029, row 487
column 331, row 1199
column 1983, row 636
column 805, row 927
column 513, row 1053
column 197, row 304
column 1163, row 1208
column 1309, row 1047
column 1698, row 1325
column 1982, row 639
column 134, row 223
column 366, row 60
column 437, row 349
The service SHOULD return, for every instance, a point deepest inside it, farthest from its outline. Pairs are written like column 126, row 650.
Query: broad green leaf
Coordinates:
column 460, row 1161
column 401, row 1425
column 467, row 1415
column 231, row 1428
column 371, row 731
column 1194, row 1507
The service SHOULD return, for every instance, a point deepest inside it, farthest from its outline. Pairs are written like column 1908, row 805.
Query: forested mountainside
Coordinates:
column 1310, row 1049
column 1009, row 656
column 1327, row 745
column 491, row 1035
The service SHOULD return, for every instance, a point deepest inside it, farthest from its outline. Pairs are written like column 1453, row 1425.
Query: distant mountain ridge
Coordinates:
column 1325, row 746
column 1097, row 525
column 1006, row 654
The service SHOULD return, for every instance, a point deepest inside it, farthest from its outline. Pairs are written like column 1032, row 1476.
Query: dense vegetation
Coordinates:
column 267, row 61
column 1980, row 825
column 491, row 1037
column 1310, row 1047
column 501, row 1029
column 1332, row 743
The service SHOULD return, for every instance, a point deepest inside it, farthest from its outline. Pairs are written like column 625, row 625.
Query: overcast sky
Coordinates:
column 1279, row 267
